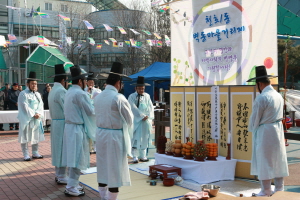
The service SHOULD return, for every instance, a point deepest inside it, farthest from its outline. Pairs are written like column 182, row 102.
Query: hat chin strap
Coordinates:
column 258, row 87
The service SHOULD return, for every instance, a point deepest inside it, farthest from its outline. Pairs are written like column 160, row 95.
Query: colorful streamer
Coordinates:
column 157, row 36
column 147, row 32
column 121, row 30
column 88, row 25
column 134, row 31
column 99, row 46
column 108, row 28
column 64, row 18
column 41, row 39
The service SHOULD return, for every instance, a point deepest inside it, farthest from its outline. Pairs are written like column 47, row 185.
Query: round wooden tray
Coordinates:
column 177, row 155
column 211, row 158
column 169, row 153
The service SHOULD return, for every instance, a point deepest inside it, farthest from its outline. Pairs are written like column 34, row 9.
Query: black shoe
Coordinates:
column 1, row 129
column 16, row 128
column 142, row 160
column 38, row 157
column 135, row 161
column 27, row 159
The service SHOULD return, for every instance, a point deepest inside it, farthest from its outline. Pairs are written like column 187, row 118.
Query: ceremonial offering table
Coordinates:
column 201, row 172
column 165, row 169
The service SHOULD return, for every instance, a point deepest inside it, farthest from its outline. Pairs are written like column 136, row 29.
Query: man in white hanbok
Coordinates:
column 56, row 107
column 79, row 128
column 92, row 92
column 31, row 113
column 114, row 120
column 269, row 160
column 143, row 112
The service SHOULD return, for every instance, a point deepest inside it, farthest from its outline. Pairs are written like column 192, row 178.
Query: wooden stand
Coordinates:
column 228, row 157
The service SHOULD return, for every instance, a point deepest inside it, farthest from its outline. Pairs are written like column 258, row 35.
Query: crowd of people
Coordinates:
column 91, row 121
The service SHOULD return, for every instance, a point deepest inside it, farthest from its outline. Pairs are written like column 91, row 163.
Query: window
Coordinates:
column 48, row 6
column 64, row 8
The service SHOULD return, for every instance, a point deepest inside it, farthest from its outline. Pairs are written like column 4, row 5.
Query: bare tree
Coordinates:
column 135, row 58
column 159, row 22
column 77, row 31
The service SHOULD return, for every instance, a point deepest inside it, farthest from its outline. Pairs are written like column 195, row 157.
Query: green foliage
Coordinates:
column 200, row 149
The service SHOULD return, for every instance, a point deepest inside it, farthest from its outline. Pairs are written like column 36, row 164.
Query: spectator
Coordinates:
column 20, row 88
column 13, row 95
column 45, row 89
column 6, row 96
column 1, row 106
column 45, row 98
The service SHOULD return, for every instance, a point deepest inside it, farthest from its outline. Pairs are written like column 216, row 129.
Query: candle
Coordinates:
column 187, row 134
column 229, row 138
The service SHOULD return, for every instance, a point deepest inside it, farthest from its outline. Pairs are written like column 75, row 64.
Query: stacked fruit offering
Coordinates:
column 177, row 148
column 188, row 150
column 212, row 151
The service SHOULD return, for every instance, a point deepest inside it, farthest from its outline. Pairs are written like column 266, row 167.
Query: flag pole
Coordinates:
column 40, row 19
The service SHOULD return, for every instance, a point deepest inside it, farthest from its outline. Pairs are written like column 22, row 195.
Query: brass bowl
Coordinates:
column 212, row 190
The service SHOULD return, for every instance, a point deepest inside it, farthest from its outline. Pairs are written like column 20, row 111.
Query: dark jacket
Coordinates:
column 6, row 94
column 13, row 99
column 2, row 97
column 45, row 100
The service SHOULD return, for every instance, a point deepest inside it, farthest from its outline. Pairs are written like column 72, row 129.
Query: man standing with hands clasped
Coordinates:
column 114, row 120
column 56, row 101
column 269, row 160
column 79, row 128
column 31, row 112
column 143, row 112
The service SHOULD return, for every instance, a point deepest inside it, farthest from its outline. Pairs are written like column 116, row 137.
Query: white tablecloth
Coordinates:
column 10, row 116
column 201, row 172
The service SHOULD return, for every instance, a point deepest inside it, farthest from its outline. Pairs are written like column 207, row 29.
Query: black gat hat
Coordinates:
column 261, row 74
column 140, row 82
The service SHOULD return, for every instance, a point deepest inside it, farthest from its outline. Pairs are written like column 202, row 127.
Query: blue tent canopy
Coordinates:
column 157, row 75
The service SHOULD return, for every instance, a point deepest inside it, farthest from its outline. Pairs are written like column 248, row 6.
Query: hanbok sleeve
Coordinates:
column 88, row 114
column 24, row 108
column 138, row 115
column 127, row 118
column 60, row 99
column 40, row 109
column 257, row 112
column 151, row 109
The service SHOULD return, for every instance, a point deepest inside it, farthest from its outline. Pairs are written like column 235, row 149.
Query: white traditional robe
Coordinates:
column 56, row 107
column 30, row 129
column 269, row 158
column 114, row 120
column 142, row 129
column 79, row 128
column 94, row 93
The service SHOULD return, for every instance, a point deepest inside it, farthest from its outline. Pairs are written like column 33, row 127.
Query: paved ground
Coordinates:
column 31, row 180
column 35, row 179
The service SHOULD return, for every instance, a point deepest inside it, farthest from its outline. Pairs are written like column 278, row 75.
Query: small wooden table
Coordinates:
column 165, row 170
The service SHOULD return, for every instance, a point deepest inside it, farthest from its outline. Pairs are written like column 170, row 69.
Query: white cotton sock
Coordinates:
column 279, row 184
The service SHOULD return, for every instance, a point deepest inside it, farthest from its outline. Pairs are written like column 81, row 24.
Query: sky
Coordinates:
column 128, row 2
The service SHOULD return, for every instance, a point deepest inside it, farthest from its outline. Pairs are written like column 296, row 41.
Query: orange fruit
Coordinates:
column 188, row 147
column 189, row 143
column 188, row 150
column 188, row 154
